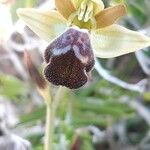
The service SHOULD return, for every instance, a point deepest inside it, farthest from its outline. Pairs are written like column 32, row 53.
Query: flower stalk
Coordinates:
column 49, row 123
column 51, row 108
column 49, row 128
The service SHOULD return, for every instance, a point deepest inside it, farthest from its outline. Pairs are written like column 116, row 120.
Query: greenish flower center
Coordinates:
column 85, row 11
column 84, row 16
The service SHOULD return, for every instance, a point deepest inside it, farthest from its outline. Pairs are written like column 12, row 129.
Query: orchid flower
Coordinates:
column 77, row 31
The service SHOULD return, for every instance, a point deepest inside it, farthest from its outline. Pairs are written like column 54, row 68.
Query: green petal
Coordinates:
column 46, row 24
column 116, row 40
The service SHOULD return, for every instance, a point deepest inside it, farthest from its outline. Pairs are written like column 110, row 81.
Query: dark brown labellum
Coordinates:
column 69, row 59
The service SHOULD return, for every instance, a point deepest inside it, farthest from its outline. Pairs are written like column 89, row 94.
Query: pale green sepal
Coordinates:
column 116, row 40
column 46, row 24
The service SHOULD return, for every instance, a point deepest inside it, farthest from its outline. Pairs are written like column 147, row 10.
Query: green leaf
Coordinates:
column 37, row 114
column 11, row 87
column 137, row 9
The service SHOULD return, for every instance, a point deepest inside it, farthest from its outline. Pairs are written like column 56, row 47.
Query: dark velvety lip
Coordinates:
column 69, row 59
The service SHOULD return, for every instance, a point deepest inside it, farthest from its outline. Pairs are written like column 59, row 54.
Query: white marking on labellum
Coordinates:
column 80, row 30
column 83, row 59
column 60, row 51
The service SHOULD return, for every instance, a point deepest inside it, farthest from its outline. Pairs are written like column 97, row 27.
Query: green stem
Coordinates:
column 58, row 98
column 49, row 128
column 51, row 108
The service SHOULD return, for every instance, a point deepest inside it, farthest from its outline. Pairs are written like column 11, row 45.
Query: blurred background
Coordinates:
column 112, row 112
